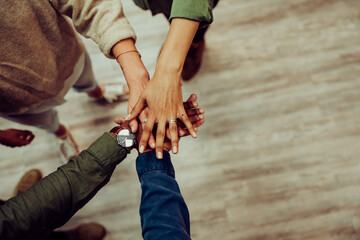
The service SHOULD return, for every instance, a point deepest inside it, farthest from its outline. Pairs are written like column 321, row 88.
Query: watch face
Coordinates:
column 125, row 138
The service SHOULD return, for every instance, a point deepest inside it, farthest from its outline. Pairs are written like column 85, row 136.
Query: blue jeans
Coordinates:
column 163, row 211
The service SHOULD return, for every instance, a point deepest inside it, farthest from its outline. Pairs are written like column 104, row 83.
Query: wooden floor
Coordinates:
column 279, row 155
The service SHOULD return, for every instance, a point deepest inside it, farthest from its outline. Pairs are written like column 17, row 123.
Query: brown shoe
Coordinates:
column 30, row 178
column 193, row 60
column 88, row 231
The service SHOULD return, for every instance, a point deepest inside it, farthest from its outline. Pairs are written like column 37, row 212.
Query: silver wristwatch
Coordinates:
column 124, row 138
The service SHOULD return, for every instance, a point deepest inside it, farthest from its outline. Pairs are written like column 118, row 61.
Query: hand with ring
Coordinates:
column 195, row 116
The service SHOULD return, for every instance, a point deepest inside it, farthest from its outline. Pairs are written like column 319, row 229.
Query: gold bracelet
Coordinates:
column 128, row 52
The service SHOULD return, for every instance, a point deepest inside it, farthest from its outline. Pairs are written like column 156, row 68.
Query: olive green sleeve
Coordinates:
column 198, row 10
column 52, row 201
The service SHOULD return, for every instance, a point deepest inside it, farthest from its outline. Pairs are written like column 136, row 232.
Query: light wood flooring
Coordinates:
column 279, row 155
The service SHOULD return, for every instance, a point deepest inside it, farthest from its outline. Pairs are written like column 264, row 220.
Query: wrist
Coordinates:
column 135, row 73
column 167, row 75
column 169, row 65
column 124, row 137
column 137, row 87
column 122, row 46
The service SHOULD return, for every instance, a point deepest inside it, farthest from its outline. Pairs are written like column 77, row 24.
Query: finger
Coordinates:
column 119, row 120
column 152, row 141
column 139, row 106
column 133, row 125
column 192, row 98
column 187, row 133
column 199, row 123
column 181, row 131
column 194, row 111
column 174, row 137
column 190, row 105
column 147, row 129
column 194, row 119
column 167, row 133
column 191, row 101
column 143, row 119
column 143, row 116
column 187, row 123
column 160, row 135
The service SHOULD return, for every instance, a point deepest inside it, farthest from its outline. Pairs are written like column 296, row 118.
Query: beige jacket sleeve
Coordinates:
column 101, row 20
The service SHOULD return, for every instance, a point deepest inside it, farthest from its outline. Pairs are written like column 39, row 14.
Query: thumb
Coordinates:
column 139, row 106
column 119, row 120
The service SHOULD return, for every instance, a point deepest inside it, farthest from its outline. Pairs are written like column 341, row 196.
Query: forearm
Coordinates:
column 163, row 211
column 177, row 44
column 133, row 68
column 53, row 200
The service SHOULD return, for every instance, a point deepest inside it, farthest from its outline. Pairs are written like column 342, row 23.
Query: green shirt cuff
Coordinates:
column 199, row 10
column 107, row 152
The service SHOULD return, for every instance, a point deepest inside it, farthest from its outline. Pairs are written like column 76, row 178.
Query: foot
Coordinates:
column 89, row 231
column 110, row 92
column 193, row 60
column 67, row 145
column 30, row 178
column 97, row 93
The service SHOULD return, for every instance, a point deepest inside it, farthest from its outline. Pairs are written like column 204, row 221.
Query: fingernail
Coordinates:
column 194, row 134
column 141, row 149
column 182, row 132
column 201, row 116
column 201, row 110
column 152, row 145
column 195, row 104
column 174, row 149
column 128, row 117
column 132, row 129
column 159, row 155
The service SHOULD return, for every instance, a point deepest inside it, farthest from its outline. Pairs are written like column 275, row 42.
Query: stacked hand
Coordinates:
column 164, row 102
column 196, row 119
column 161, row 99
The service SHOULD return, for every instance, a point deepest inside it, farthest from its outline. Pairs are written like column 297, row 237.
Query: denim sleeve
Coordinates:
column 163, row 211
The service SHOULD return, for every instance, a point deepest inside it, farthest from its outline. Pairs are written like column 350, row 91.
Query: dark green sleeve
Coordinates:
column 198, row 10
column 52, row 201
